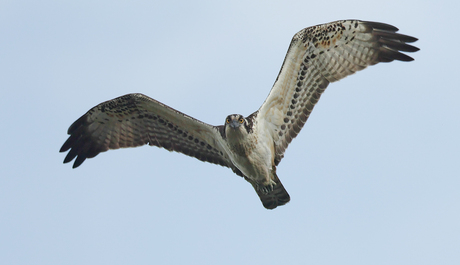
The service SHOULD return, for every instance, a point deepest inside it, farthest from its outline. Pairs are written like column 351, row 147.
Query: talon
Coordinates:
column 268, row 188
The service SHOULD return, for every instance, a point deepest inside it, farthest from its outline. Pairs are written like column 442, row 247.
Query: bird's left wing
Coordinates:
column 134, row 120
column 317, row 56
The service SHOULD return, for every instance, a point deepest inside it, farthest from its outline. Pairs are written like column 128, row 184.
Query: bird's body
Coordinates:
column 251, row 146
column 251, row 150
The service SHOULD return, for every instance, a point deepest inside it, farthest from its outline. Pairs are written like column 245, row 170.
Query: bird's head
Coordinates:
column 235, row 123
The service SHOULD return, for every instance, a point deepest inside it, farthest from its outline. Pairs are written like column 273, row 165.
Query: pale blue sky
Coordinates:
column 373, row 176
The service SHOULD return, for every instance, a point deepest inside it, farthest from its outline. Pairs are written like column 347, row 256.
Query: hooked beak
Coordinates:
column 234, row 124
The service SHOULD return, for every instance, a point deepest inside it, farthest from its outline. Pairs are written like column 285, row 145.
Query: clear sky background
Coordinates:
column 374, row 176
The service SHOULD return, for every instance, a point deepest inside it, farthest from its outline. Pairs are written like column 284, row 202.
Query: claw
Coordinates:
column 268, row 188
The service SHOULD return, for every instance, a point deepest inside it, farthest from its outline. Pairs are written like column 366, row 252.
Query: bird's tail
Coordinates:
column 277, row 197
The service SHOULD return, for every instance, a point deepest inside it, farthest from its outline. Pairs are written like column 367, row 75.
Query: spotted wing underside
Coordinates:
column 134, row 120
column 317, row 56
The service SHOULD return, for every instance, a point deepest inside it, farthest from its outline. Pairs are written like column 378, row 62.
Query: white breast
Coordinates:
column 252, row 154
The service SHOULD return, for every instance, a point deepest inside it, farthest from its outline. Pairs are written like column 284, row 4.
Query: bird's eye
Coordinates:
column 227, row 120
column 241, row 120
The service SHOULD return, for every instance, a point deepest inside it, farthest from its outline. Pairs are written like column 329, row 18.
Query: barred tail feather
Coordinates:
column 277, row 197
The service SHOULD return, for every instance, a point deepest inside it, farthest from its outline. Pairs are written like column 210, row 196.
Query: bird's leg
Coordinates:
column 266, row 188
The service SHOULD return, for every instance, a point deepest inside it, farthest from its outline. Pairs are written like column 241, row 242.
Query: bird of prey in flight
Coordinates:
column 251, row 146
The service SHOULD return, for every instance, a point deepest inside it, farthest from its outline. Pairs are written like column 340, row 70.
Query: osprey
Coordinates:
column 251, row 146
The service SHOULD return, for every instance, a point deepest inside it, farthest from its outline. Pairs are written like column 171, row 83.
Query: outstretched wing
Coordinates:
column 317, row 56
column 134, row 120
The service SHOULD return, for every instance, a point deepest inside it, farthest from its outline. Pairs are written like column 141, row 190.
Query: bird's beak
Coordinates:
column 234, row 124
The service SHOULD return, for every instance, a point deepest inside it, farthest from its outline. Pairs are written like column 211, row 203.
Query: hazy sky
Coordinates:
column 373, row 176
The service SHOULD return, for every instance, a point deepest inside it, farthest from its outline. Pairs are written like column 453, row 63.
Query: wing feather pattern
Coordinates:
column 134, row 120
column 320, row 55
column 316, row 56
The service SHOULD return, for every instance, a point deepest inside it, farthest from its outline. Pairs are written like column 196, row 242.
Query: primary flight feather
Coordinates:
column 251, row 146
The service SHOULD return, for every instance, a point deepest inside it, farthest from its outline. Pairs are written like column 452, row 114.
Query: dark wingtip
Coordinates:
column 80, row 159
column 70, row 156
column 389, row 55
column 66, row 146
column 63, row 149
column 381, row 26
column 392, row 43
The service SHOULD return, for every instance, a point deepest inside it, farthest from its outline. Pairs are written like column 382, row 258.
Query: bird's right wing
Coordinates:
column 317, row 56
column 134, row 120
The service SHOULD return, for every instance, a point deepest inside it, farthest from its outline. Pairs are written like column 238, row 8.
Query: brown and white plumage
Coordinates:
column 253, row 146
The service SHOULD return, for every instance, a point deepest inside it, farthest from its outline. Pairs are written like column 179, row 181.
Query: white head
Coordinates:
column 236, row 123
